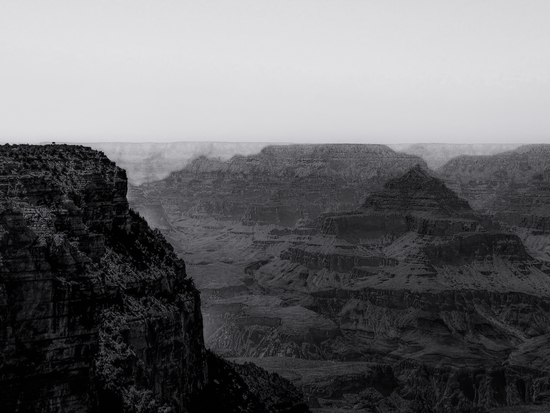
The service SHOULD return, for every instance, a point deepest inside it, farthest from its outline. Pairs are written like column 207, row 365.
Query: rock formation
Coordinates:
column 96, row 310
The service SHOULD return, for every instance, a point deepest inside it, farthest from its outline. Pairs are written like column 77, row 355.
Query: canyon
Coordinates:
column 323, row 278
column 370, row 281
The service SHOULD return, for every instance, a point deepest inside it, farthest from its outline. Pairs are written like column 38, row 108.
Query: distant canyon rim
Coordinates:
column 148, row 162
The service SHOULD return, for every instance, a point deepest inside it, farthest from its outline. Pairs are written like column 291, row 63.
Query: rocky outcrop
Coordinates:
column 97, row 312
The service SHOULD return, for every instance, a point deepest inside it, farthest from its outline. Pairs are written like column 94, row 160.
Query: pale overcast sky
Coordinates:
column 281, row 70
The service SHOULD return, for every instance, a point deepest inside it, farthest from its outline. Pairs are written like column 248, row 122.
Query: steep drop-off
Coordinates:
column 96, row 311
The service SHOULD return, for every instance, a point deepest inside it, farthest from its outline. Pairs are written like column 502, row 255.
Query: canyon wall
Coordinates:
column 97, row 312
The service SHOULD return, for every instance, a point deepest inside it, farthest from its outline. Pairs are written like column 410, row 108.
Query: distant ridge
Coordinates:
column 437, row 154
column 151, row 161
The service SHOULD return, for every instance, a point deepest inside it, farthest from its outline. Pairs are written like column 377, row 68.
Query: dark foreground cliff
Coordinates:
column 96, row 311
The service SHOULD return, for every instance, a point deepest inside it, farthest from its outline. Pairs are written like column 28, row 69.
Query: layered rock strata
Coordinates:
column 281, row 185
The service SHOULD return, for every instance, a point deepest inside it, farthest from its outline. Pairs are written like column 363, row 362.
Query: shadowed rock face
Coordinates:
column 434, row 306
column 96, row 310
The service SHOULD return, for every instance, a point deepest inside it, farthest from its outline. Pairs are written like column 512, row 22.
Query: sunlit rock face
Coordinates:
column 388, row 290
column 96, row 311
